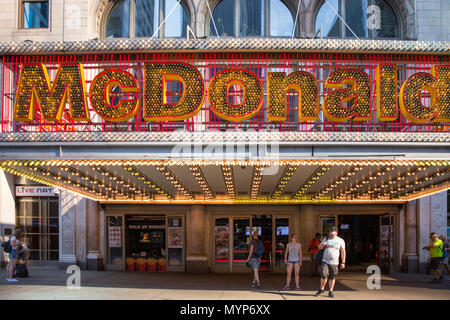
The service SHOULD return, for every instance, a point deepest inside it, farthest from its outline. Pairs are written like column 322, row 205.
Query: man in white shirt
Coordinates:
column 334, row 246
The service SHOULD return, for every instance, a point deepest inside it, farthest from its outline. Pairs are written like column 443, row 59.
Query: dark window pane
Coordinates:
column 53, row 242
column 328, row 21
column 34, row 255
column 224, row 18
column 53, row 209
column 388, row 23
column 176, row 23
column 118, row 22
column 252, row 18
column 35, row 14
column 356, row 18
column 146, row 17
column 32, row 225
column 33, row 242
column 53, row 225
column 53, row 255
column 281, row 21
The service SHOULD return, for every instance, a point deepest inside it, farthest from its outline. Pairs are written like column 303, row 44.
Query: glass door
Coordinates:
column 39, row 218
column 386, row 248
column 232, row 237
column 241, row 241
column 281, row 236
column 222, row 244
column 175, row 244
column 115, row 240
column 263, row 224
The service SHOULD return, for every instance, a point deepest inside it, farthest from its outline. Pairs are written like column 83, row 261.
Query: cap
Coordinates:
column 333, row 228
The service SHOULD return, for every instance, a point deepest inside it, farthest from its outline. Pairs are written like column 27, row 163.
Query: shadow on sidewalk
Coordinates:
column 271, row 283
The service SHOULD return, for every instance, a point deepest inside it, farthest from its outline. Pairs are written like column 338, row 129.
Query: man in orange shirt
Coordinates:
column 313, row 247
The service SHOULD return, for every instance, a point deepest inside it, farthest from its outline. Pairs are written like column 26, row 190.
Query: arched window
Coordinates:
column 141, row 18
column 370, row 19
column 248, row 18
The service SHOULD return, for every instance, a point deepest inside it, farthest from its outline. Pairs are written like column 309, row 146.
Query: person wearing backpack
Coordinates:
column 13, row 254
column 254, row 257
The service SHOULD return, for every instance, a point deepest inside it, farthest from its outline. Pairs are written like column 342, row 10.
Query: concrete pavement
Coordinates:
column 50, row 283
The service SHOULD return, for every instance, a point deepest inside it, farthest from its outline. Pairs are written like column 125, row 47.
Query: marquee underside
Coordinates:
column 239, row 181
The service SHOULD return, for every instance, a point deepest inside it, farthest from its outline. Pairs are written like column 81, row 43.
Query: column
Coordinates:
column 307, row 230
column 196, row 256
column 410, row 259
column 94, row 257
column 67, row 230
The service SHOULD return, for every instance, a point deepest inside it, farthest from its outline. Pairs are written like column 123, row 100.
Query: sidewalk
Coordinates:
column 50, row 283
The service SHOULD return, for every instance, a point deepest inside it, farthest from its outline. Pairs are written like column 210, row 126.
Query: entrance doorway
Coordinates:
column 361, row 236
column 369, row 240
column 232, row 237
column 39, row 218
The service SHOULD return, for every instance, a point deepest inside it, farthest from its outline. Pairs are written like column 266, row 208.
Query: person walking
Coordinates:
column 333, row 247
column 13, row 254
column 444, row 263
column 293, row 258
column 436, row 247
column 313, row 248
column 254, row 257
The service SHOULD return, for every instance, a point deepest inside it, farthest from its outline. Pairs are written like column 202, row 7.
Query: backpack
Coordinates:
column 319, row 255
column 21, row 271
column 444, row 251
column 6, row 245
column 260, row 249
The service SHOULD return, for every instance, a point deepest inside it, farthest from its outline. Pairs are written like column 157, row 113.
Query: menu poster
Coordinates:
column 175, row 237
column 115, row 237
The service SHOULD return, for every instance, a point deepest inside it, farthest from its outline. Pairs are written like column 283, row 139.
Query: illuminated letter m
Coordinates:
column 34, row 89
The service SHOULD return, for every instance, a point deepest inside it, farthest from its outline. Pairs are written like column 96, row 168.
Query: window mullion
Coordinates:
column 341, row 11
column 237, row 12
column 132, row 19
column 161, row 17
column 267, row 18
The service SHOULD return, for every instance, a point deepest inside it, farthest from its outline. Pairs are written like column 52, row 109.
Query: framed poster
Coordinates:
column 175, row 237
column 115, row 237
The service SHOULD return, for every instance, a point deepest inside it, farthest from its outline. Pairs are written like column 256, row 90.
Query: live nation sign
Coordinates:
column 349, row 93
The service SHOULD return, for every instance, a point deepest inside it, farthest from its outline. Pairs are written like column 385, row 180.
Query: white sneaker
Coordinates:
column 13, row 280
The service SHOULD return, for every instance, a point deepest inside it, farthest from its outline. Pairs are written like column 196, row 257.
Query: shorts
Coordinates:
column 435, row 263
column 328, row 271
column 445, row 260
column 294, row 262
column 13, row 254
column 254, row 263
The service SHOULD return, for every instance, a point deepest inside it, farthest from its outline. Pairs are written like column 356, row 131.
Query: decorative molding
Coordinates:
column 210, row 137
column 240, row 44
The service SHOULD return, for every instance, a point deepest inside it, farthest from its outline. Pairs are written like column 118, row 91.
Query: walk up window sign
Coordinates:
column 201, row 91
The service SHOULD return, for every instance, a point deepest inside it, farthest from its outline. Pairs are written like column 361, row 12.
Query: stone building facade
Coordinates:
column 82, row 222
